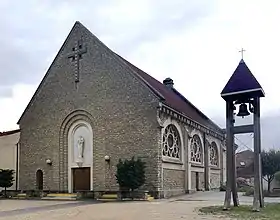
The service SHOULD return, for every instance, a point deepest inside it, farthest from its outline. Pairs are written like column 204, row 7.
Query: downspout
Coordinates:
column 17, row 165
column 206, row 163
column 160, row 188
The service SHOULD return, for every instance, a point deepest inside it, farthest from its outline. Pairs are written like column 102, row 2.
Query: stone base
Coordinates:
column 172, row 192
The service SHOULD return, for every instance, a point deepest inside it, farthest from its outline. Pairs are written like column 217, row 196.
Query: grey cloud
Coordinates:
column 6, row 91
column 31, row 31
column 169, row 17
column 28, row 37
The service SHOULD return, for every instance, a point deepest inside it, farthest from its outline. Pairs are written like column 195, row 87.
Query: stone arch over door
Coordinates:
column 74, row 120
column 39, row 179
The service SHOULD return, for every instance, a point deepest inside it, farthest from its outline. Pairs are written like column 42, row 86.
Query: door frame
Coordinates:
column 73, row 168
column 40, row 179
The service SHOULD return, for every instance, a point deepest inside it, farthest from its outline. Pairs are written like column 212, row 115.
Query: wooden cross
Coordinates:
column 242, row 51
column 75, row 57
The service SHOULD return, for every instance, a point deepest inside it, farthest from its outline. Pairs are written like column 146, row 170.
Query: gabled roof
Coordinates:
column 242, row 81
column 5, row 133
column 174, row 99
column 170, row 97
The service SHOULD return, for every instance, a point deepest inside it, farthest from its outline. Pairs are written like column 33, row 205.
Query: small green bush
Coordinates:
column 244, row 188
column 130, row 174
column 249, row 191
column 6, row 179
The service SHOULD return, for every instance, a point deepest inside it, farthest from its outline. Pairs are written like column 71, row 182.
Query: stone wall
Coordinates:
column 119, row 107
column 215, row 178
column 173, row 182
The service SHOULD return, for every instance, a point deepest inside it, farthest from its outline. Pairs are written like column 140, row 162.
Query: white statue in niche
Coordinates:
column 80, row 148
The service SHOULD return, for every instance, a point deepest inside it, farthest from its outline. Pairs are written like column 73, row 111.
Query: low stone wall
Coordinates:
column 173, row 182
column 215, row 179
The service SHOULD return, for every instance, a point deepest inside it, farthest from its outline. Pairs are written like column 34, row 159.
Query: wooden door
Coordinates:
column 81, row 179
column 39, row 179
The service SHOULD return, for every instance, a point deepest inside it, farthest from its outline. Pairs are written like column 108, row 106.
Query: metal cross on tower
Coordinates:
column 75, row 57
column 242, row 52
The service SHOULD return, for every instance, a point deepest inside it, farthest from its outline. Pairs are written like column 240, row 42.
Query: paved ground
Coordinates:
column 183, row 207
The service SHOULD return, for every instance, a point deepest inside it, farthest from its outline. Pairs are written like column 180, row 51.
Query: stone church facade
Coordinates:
column 93, row 108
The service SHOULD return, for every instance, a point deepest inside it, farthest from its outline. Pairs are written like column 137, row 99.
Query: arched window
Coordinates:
column 196, row 149
column 171, row 142
column 214, row 159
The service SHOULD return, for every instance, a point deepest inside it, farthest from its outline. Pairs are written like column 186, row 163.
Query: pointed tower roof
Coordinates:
column 242, row 83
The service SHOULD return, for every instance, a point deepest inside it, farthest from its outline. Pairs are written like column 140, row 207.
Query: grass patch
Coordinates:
column 271, row 212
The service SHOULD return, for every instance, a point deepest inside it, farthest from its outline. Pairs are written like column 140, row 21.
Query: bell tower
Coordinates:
column 243, row 90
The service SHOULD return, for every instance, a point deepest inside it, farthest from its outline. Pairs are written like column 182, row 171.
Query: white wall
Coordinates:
column 274, row 184
column 8, row 154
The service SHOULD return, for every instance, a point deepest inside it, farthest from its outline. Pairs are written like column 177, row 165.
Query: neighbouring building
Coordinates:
column 93, row 108
column 245, row 169
column 9, row 153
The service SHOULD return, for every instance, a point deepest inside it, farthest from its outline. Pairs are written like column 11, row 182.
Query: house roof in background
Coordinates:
column 246, row 170
column 5, row 133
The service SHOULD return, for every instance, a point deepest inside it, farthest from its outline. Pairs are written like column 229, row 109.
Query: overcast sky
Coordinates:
column 195, row 42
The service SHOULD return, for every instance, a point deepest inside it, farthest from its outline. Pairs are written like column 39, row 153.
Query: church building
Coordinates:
column 93, row 108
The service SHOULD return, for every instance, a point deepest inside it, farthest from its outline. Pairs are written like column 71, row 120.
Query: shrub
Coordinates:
column 249, row 191
column 244, row 189
column 241, row 182
column 130, row 174
column 6, row 179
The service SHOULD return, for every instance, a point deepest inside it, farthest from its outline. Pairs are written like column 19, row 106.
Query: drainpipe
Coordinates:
column 206, row 163
column 17, row 165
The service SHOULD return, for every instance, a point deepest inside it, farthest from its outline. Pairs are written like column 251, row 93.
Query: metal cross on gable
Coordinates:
column 75, row 57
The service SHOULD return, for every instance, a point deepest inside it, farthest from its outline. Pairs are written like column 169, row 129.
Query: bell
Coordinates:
column 243, row 111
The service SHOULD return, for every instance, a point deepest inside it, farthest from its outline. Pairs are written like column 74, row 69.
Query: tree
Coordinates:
column 131, row 174
column 270, row 165
column 6, row 179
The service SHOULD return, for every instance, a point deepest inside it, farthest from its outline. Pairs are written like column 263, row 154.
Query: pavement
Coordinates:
column 182, row 207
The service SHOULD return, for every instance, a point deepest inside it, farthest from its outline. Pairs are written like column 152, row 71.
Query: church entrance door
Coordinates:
column 81, row 179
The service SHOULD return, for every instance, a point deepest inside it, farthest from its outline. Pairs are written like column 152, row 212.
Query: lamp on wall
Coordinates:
column 107, row 158
column 49, row 162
